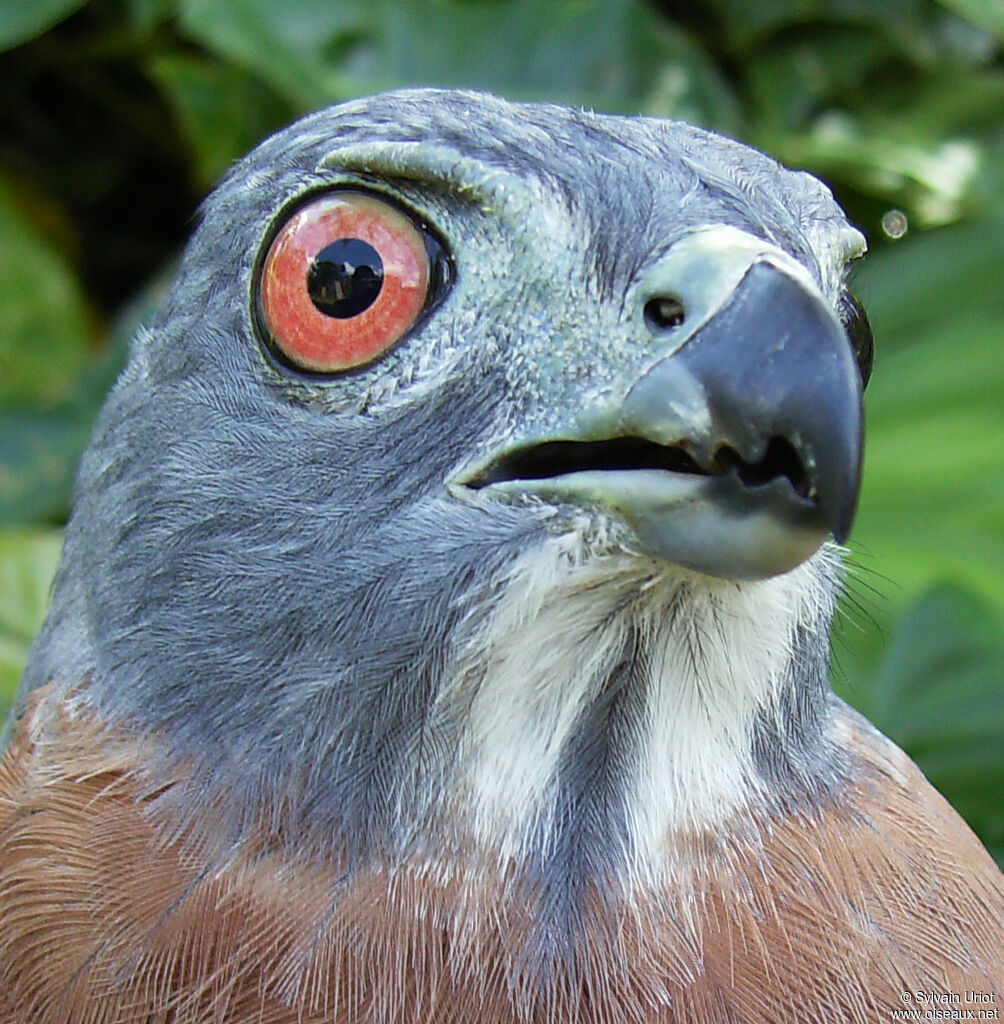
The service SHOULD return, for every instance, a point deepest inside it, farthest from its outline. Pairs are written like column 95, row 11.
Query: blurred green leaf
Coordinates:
column 937, row 692
column 290, row 45
column 577, row 51
column 748, row 24
column 40, row 449
column 906, row 27
column 938, row 680
column 46, row 329
column 609, row 54
column 987, row 14
column 956, row 101
column 21, row 20
column 932, row 509
column 686, row 85
column 931, row 278
column 895, row 157
column 792, row 81
column 28, row 560
column 933, row 496
column 222, row 109
column 38, row 463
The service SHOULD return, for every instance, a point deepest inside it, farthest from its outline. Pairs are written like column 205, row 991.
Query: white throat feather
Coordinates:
column 710, row 659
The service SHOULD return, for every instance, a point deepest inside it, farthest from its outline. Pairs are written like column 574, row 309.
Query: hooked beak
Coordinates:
column 737, row 454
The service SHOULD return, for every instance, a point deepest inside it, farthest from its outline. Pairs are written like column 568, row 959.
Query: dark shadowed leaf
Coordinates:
column 223, row 111
column 792, row 81
column 38, row 462
column 145, row 15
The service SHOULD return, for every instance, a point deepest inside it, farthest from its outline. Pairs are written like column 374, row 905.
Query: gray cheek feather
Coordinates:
column 239, row 604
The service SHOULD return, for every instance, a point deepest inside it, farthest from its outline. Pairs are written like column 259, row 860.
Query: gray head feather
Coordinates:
column 269, row 572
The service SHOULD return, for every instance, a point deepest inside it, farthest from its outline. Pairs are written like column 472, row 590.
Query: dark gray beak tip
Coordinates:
column 841, row 527
column 842, row 518
column 776, row 373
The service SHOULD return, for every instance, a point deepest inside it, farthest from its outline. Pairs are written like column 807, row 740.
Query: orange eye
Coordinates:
column 346, row 276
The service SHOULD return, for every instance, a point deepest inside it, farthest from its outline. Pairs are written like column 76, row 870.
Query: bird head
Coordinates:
column 479, row 466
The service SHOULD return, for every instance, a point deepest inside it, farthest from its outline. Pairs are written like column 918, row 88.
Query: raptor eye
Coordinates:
column 859, row 330
column 344, row 278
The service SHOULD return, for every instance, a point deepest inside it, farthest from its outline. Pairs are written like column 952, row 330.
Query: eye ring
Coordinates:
column 342, row 278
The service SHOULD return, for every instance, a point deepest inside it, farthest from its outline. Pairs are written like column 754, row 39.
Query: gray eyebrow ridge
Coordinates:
column 496, row 189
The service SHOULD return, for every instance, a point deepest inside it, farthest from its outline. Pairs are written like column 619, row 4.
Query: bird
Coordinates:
column 443, row 623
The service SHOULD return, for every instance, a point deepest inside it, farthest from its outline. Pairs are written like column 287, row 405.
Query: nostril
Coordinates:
column 664, row 312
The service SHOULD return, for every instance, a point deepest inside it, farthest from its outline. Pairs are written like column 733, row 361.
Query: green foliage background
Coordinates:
column 117, row 115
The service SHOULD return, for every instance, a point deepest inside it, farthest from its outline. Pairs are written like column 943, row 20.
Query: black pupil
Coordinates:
column 345, row 278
